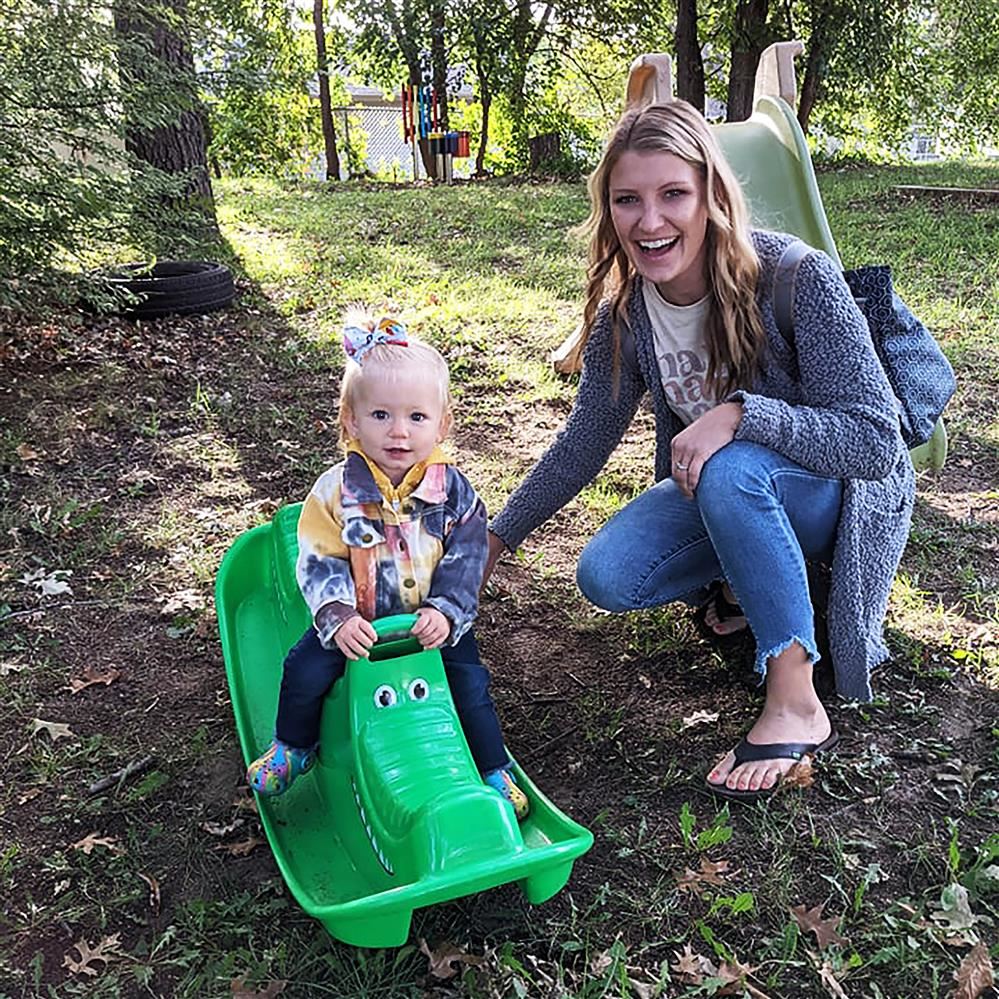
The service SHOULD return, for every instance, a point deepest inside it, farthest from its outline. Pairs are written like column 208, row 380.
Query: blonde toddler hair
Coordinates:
column 392, row 362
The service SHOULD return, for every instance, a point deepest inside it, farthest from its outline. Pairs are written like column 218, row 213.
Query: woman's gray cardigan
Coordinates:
column 825, row 404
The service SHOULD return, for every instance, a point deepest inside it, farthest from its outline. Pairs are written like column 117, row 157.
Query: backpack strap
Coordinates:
column 784, row 275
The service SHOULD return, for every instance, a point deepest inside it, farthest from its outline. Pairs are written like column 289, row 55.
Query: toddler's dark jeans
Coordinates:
column 310, row 671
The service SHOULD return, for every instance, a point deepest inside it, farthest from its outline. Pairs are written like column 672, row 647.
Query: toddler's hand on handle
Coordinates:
column 692, row 447
column 354, row 637
column 432, row 628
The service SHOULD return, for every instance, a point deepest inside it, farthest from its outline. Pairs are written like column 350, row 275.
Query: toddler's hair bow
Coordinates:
column 358, row 340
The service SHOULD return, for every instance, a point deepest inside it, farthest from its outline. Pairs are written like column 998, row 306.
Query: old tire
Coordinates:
column 175, row 288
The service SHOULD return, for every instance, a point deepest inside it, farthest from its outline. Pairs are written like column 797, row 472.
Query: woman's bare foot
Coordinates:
column 792, row 713
column 716, row 618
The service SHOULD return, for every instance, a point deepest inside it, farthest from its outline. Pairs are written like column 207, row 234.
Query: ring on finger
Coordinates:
column 682, row 467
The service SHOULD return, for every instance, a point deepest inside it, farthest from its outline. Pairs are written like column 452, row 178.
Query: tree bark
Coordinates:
column 325, row 104
column 156, row 63
column 526, row 35
column 814, row 70
column 486, row 100
column 438, row 61
column 689, row 64
column 750, row 37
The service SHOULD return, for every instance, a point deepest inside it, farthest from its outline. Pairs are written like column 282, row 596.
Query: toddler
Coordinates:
column 394, row 528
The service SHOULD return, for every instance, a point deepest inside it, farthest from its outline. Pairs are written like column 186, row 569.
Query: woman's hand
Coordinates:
column 693, row 446
column 496, row 548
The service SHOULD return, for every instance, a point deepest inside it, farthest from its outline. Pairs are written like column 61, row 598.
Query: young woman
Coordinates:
column 768, row 455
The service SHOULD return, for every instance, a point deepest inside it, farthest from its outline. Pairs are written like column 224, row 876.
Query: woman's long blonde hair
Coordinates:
column 735, row 334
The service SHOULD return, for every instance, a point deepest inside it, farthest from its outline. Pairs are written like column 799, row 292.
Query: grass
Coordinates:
column 137, row 454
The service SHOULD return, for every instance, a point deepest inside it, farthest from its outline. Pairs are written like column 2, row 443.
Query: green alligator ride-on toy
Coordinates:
column 395, row 815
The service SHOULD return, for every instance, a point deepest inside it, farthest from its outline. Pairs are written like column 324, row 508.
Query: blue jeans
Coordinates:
column 755, row 519
column 310, row 671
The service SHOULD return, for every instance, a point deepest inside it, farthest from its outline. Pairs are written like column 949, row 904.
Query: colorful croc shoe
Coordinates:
column 277, row 769
column 503, row 781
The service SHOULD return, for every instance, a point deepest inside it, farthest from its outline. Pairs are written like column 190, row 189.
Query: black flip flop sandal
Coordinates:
column 724, row 609
column 748, row 752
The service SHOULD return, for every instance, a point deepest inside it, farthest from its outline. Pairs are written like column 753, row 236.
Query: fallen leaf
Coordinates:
column 690, row 967
column 710, row 874
column 825, row 930
column 27, row 453
column 218, row 829
column 974, row 975
column 240, row 990
column 733, row 975
column 56, row 730
column 8, row 667
column 800, row 775
column 699, row 718
column 601, row 962
column 182, row 600
column 442, row 960
column 48, row 584
column 955, row 909
column 92, row 675
column 243, row 848
column 247, row 803
column 711, row 870
column 92, row 840
column 105, row 951
column 831, row 982
column 154, row 892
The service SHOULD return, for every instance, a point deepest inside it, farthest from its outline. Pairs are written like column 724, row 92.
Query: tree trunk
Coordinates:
column 486, row 99
column 689, row 65
column 325, row 105
column 812, row 79
column 749, row 39
column 438, row 61
column 156, row 64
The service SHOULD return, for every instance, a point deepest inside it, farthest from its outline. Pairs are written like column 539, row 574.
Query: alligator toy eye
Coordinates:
column 385, row 696
column 419, row 689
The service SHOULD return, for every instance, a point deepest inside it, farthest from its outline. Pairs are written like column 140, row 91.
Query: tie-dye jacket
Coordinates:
column 368, row 547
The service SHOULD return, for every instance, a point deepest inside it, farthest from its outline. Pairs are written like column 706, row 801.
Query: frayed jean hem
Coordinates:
column 763, row 655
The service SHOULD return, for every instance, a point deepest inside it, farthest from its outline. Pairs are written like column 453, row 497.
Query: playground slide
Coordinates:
column 770, row 157
column 394, row 816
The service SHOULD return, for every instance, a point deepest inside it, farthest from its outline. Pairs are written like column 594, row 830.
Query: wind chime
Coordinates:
column 421, row 122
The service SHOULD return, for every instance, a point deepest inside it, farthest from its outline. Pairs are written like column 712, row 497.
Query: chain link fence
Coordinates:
column 376, row 134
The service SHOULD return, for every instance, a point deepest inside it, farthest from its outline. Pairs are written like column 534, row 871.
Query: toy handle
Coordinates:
column 394, row 638
column 394, row 626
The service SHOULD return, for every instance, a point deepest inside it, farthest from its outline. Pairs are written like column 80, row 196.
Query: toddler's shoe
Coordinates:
column 277, row 769
column 503, row 781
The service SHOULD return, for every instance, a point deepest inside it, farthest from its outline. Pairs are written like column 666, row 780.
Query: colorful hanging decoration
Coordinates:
column 421, row 122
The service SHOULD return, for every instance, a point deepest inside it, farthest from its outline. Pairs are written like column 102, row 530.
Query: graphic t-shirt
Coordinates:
column 681, row 352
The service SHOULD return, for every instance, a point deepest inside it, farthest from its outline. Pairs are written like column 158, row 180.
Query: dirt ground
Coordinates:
column 135, row 454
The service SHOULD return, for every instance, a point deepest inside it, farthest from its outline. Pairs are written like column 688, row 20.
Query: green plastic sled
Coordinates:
column 770, row 157
column 395, row 815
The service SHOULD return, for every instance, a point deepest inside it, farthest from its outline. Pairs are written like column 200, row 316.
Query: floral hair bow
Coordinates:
column 358, row 340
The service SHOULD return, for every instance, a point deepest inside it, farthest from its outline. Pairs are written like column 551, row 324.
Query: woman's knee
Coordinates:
column 736, row 471
column 598, row 578
column 733, row 463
